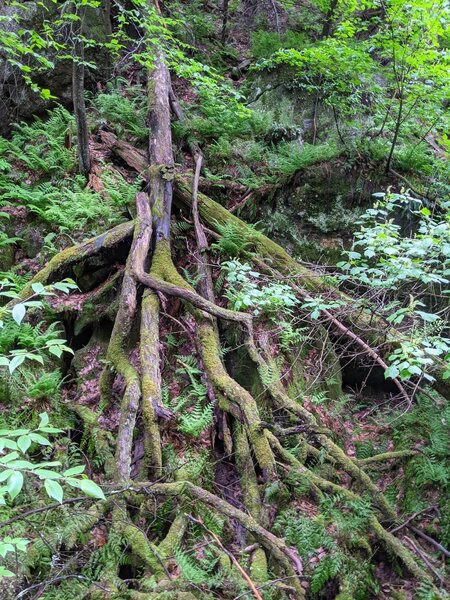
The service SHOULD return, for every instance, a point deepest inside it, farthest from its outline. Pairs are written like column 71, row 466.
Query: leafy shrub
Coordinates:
column 246, row 291
column 264, row 43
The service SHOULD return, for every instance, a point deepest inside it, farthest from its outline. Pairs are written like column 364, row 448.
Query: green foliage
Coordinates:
column 126, row 114
column 246, row 291
column 232, row 242
column 292, row 336
column 52, row 192
column 271, row 372
column 265, row 43
column 198, row 571
column 194, row 411
column 403, row 248
column 41, row 146
column 427, row 470
column 292, row 157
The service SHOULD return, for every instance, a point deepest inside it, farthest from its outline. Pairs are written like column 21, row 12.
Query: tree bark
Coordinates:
column 79, row 106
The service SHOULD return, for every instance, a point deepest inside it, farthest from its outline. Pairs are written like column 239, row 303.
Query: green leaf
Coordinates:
column 15, row 362
column 15, row 483
column 5, row 572
column 392, row 372
column 91, row 489
column 18, row 313
column 23, row 443
column 37, row 287
column 47, row 474
column 9, row 457
column 54, row 490
column 4, row 475
column 50, row 430
column 74, row 471
column 39, row 439
column 44, row 420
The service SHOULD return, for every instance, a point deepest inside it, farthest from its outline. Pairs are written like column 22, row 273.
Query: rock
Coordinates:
column 18, row 99
column 32, row 241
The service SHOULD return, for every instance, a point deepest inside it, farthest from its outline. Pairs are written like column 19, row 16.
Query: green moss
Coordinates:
column 209, row 348
column 246, row 470
column 258, row 567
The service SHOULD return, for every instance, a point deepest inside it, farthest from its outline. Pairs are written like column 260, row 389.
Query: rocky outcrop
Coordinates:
column 17, row 100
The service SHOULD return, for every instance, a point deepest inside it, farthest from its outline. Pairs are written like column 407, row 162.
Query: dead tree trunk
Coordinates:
column 79, row 106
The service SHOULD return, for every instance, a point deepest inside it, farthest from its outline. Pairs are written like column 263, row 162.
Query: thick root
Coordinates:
column 61, row 264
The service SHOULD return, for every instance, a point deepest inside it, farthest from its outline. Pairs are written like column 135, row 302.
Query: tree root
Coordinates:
column 392, row 543
column 284, row 555
column 151, row 383
column 117, row 353
column 61, row 264
column 349, row 465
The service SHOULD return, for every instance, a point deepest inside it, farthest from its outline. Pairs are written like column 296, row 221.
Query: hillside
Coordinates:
column 224, row 261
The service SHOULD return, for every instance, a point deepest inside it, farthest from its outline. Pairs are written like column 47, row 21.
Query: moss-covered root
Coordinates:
column 392, row 543
column 209, row 349
column 117, row 355
column 351, row 466
column 246, row 470
column 166, row 279
column 258, row 566
column 61, row 264
column 275, row 546
column 385, row 456
column 173, row 538
column 151, row 383
column 103, row 441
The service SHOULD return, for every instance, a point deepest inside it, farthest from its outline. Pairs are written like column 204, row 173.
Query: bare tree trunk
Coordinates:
column 396, row 132
column 79, row 107
column 160, row 148
column 225, row 11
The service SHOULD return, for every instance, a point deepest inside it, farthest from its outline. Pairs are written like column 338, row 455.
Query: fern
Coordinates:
column 291, row 336
column 194, row 423
column 126, row 115
column 232, row 242
column 195, row 413
column 196, row 571
column 327, row 568
column 271, row 372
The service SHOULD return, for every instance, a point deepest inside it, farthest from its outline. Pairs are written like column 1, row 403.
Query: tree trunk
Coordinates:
column 79, row 107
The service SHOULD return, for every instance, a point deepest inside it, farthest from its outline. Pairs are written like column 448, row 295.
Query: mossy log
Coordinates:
column 61, row 265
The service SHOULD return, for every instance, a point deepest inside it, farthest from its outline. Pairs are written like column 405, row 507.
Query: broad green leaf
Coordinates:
column 9, row 457
column 91, row 489
column 15, row 362
column 37, row 287
column 74, row 471
column 15, row 483
column 4, row 475
column 24, row 442
column 18, row 313
column 20, row 464
column 54, row 490
column 44, row 420
column 47, row 474
column 39, row 439
column 392, row 372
